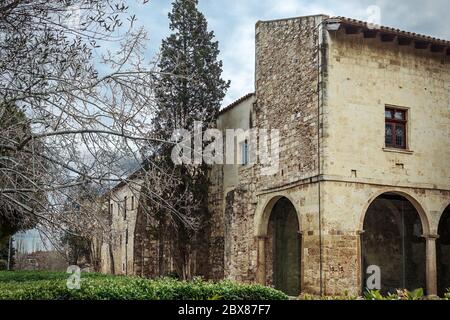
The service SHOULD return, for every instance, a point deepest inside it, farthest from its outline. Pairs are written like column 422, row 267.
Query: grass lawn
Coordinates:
column 39, row 285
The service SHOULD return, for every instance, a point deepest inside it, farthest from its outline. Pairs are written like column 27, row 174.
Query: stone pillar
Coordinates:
column 431, row 269
column 360, row 266
column 261, row 266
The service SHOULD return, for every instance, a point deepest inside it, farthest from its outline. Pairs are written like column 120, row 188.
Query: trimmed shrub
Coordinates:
column 52, row 286
column 31, row 276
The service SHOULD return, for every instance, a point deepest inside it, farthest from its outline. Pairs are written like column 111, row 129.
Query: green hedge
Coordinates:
column 52, row 286
column 32, row 276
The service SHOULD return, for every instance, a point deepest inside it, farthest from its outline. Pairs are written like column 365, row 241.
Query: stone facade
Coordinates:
column 325, row 84
column 326, row 91
column 286, row 53
column 118, row 251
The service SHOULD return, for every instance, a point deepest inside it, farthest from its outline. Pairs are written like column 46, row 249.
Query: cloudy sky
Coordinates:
column 233, row 22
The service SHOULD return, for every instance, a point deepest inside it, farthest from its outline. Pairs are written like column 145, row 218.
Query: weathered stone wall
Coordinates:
column 217, row 243
column 121, row 240
column 287, row 94
column 287, row 79
column 229, row 205
column 357, row 79
column 363, row 77
column 344, row 208
column 157, row 248
column 287, row 100
column 146, row 262
column 240, row 252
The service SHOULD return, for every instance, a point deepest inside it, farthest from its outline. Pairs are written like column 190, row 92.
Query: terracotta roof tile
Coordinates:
column 398, row 32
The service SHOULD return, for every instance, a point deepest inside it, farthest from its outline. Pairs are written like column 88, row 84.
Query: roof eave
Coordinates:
column 337, row 23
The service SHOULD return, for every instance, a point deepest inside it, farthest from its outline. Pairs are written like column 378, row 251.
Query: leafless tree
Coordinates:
column 85, row 109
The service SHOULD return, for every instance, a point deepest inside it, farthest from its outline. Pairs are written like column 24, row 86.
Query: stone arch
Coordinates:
column 277, row 228
column 394, row 226
column 264, row 210
column 425, row 219
column 443, row 252
column 442, row 211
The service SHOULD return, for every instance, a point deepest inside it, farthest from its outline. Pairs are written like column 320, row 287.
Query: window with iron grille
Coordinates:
column 395, row 128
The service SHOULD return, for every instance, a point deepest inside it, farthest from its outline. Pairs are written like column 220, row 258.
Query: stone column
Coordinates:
column 261, row 266
column 431, row 269
column 359, row 265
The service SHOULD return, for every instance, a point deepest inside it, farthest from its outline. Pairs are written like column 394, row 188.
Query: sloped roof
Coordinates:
column 388, row 30
column 235, row 103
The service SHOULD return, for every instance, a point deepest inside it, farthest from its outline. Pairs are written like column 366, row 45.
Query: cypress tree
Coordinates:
column 189, row 88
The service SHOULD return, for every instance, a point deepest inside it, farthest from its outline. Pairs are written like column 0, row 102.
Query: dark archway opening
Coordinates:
column 393, row 241
column 285, row 240
column 443, row 253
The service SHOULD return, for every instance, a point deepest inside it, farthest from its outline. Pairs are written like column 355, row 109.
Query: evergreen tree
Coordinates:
column 13, row 217
column 190, row 88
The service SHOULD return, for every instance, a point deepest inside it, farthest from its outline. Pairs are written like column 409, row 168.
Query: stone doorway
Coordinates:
column 284, row 248
column 443, row 253
column 393, row 241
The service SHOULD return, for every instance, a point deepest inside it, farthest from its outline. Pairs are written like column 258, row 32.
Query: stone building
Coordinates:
column 363, row 183
column 117, row 252
column 364, row 177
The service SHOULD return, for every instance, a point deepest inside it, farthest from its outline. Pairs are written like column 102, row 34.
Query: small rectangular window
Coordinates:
column 125, row 208
column 132, row 203
column 244, row 153
column 395, row 128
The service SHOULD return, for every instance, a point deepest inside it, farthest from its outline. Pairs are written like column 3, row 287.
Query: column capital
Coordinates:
column 430, row 236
